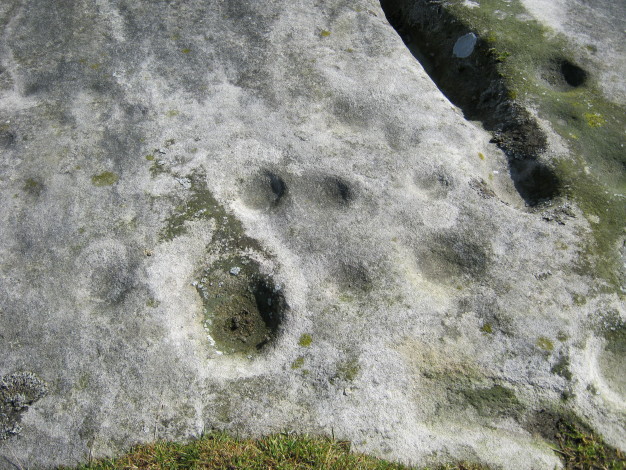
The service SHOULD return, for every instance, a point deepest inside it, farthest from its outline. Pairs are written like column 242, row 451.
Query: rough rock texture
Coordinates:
column 599, row 26
column 265, row 216
column 17, row 391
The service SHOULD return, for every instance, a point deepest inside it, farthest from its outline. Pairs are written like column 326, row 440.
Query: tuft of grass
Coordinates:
column 586, row 451
column 578, row 449
column 222, row 451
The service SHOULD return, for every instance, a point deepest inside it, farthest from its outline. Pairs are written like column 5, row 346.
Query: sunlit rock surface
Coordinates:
column 265, row 216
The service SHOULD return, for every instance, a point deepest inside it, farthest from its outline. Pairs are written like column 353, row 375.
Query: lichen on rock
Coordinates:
column 17, row 392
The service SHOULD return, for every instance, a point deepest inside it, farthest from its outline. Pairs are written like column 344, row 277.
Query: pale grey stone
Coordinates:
column 464, row 46
column 147, row 148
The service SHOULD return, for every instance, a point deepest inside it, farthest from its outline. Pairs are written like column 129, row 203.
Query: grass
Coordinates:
column 221, row 451
column 578, row 450
column 586, row 451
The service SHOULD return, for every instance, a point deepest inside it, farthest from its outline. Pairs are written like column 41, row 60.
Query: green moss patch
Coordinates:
column 305, row 340
column 594, row 119
column 496, row 400
column 348, row 370
column 298, row 363
column 33, row 187
column 541, row 71
column 562, row 368
column 573, row 441
column 544, row 343
column 200, row 204
column 106, row 178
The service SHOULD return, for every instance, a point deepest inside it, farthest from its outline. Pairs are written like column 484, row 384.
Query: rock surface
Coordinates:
column 599, row 26
column 265, row 216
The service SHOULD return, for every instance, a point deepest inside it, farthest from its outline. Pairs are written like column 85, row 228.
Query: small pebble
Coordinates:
column 235, row 271
column 464, row 46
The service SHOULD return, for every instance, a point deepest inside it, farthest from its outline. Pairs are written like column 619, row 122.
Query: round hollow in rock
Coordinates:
column 339, row 190
column 562, row 74
column 573, row 75
column 265, row 191
column 535, row 181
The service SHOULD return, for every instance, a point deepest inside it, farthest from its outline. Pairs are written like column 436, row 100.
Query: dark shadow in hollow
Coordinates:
column 270, row 302
column 573, row 75
column 271, row 305
column 475, row 85
column 277, row 184
column 243, row 308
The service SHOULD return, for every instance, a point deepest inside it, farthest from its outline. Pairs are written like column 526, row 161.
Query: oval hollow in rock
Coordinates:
column 7, row 139
column 449, row 256
column 339, row 190
column 562, row 75
column 277, row 184
column 242, row 312
column 573, row 75
column 354, row 277
column 266, row 190
column 535, row 181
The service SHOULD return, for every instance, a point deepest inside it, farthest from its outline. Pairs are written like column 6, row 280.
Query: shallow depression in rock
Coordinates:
column 573, row 74
column 562, row 75
column 243, row 309
column 267, row 190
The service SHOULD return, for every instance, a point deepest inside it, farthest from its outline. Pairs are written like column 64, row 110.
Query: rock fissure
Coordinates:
column 465, row 68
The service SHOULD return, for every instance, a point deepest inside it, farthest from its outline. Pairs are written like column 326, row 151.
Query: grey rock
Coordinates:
column 376, row 245
column 17, row 392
